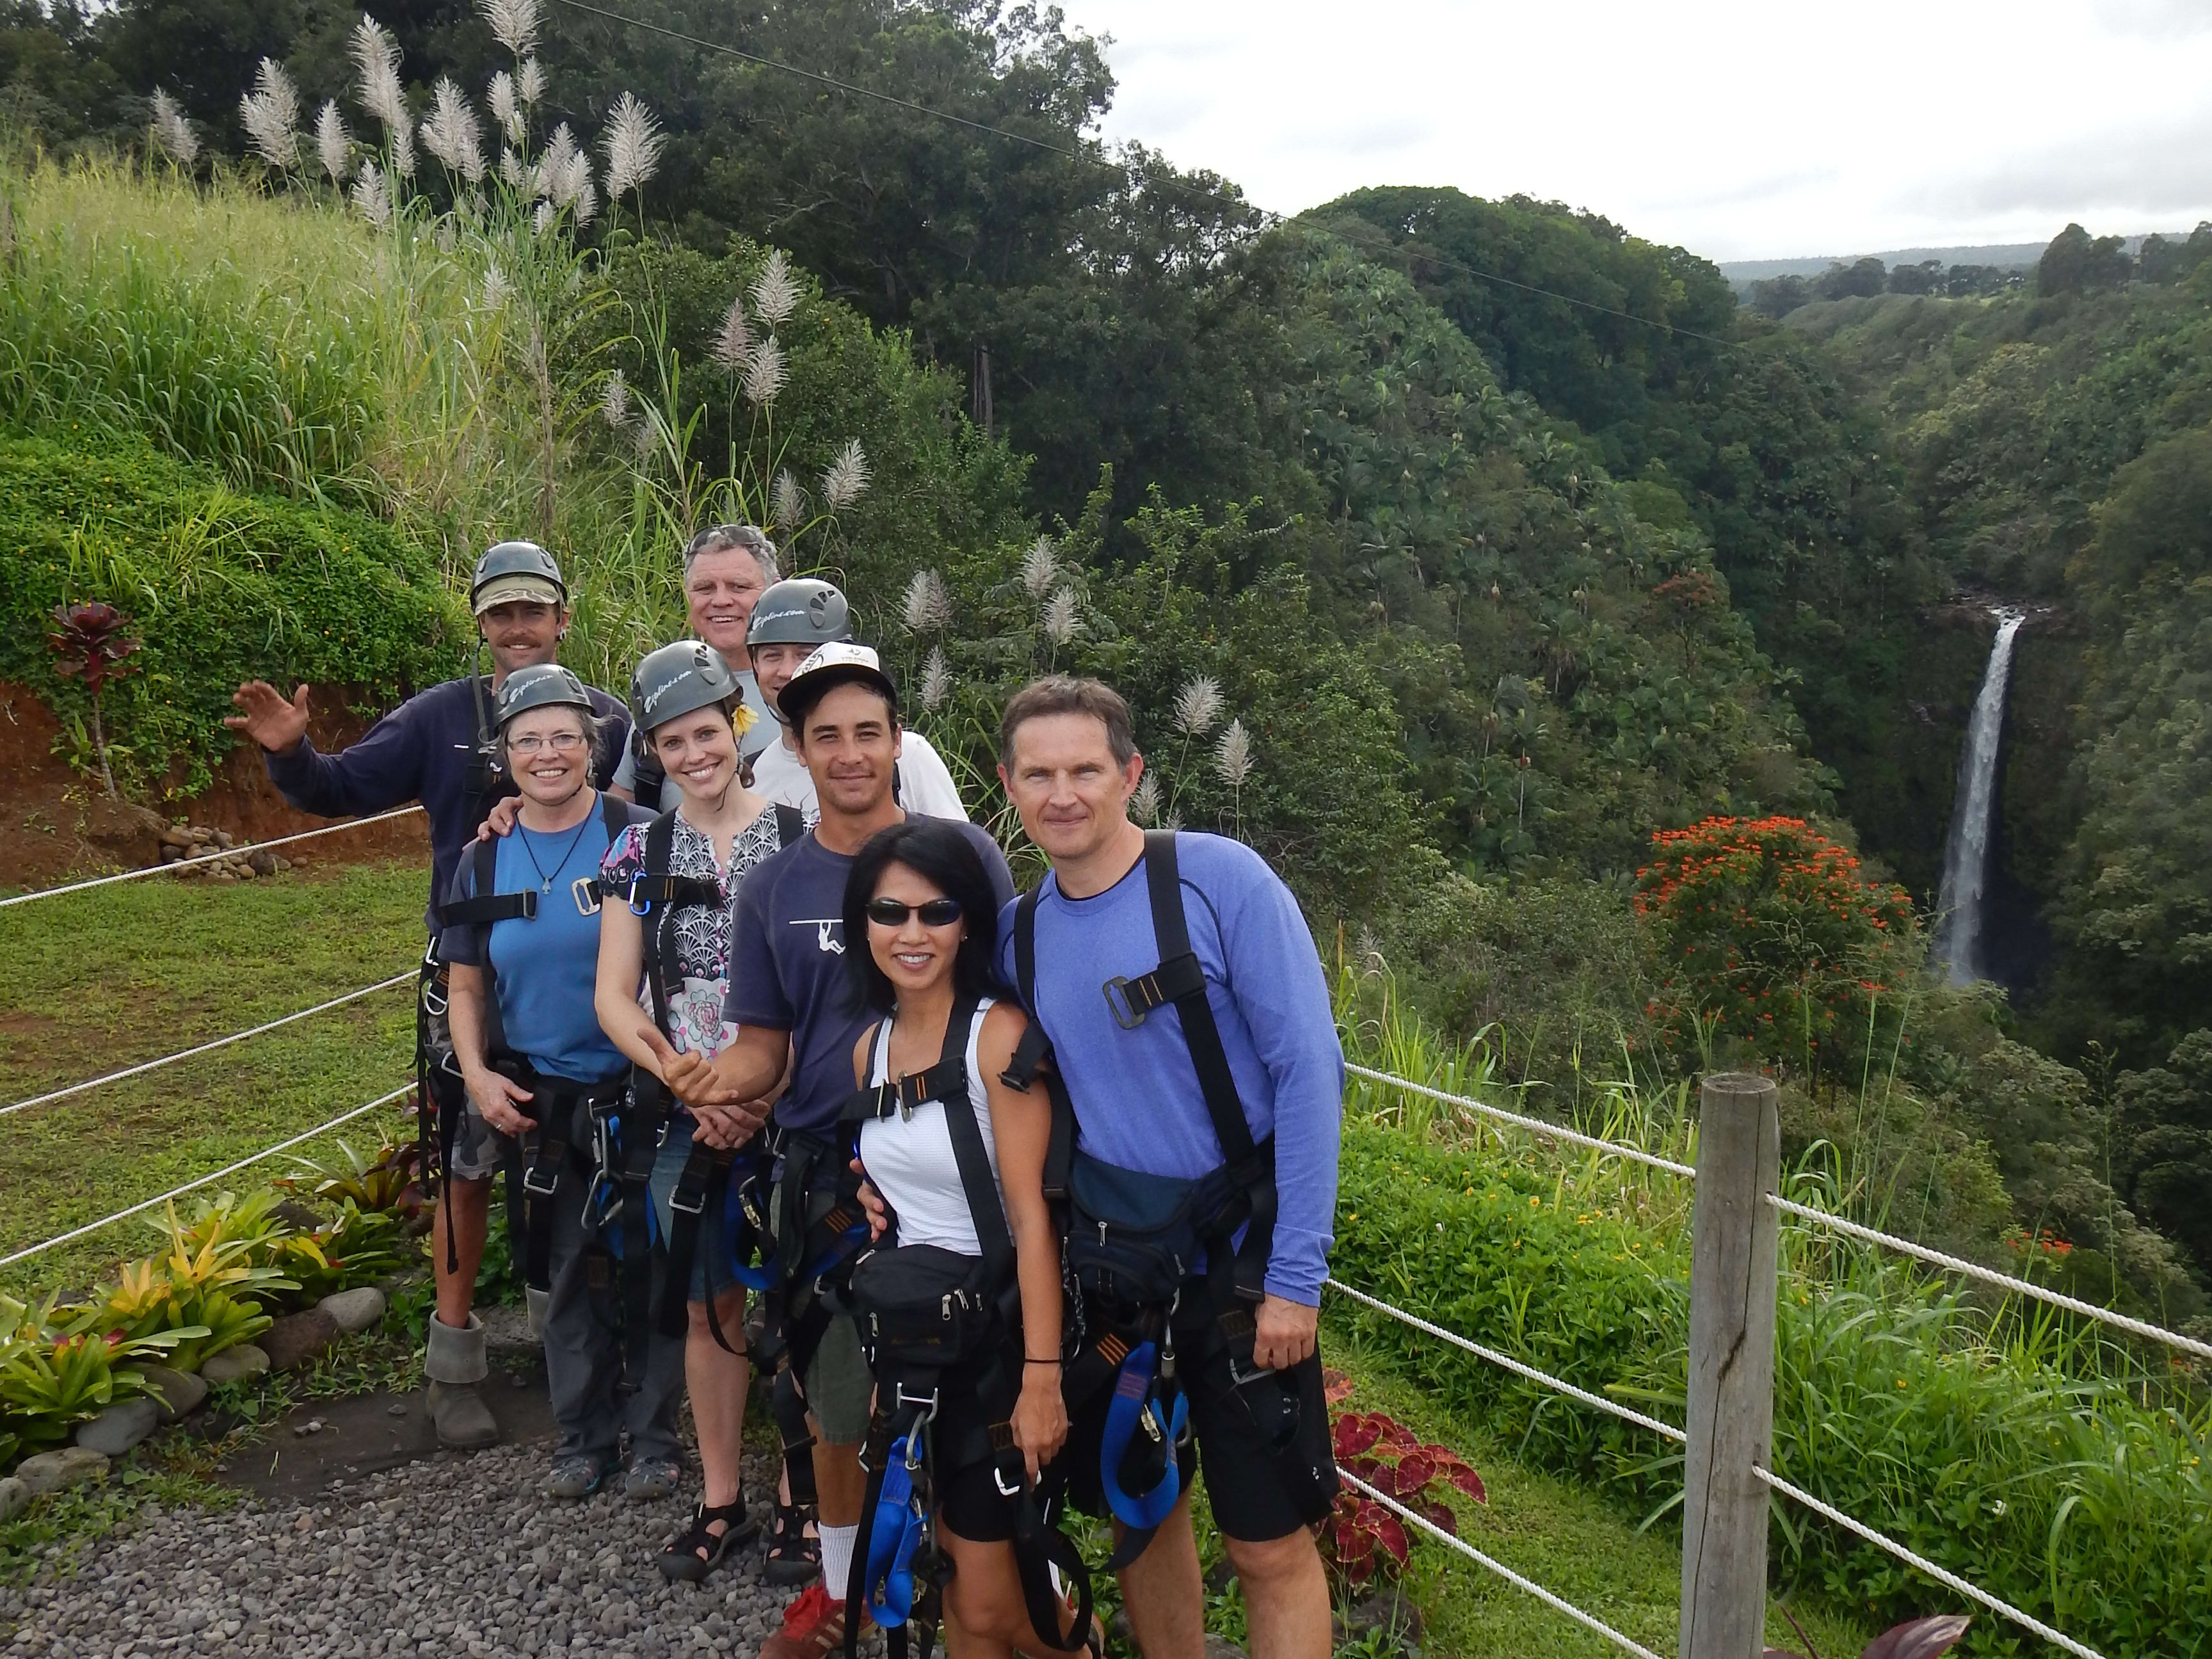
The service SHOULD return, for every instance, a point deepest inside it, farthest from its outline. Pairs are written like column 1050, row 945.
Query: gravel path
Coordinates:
column 455, row 1555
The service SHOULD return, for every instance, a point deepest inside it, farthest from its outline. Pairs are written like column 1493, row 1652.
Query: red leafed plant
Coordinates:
column 1362, row 1539
column 91, row 642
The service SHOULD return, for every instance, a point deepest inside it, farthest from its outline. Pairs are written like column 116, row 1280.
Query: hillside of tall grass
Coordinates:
column 2036, row 1454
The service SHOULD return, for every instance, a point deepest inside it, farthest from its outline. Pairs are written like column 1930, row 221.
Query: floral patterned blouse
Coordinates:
column 699, row 977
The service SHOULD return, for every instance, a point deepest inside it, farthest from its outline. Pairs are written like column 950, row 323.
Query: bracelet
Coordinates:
column 1026, row 1360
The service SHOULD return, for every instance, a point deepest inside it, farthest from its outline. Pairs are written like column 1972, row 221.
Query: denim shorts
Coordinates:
column 720, row 1223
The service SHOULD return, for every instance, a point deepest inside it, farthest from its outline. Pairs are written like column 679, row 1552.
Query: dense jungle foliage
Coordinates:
column 1592, row 657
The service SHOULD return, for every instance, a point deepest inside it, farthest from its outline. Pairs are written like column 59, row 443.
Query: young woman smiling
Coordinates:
column 674, row 939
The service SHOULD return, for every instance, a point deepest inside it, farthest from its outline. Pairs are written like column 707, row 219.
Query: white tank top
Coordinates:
column 910, row 1160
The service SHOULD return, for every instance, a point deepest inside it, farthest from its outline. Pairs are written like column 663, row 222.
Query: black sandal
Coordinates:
column 681, row 1561
column 794, row 1556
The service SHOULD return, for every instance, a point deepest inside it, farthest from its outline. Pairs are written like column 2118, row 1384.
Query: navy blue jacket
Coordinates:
column 423, row 751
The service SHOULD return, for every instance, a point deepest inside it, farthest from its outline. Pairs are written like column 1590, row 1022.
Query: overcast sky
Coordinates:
column 1738, row 130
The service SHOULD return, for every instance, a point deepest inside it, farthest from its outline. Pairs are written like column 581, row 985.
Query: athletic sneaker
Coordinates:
column 813, row 1626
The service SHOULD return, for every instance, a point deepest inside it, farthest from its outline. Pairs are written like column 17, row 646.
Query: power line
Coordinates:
column 1380, row 243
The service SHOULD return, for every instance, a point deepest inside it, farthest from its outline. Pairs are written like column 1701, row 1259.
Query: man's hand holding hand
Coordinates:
column 1283, row 1333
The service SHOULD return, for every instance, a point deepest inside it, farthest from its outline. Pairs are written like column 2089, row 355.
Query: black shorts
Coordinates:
column 968, row 1500
column 1265, row 1449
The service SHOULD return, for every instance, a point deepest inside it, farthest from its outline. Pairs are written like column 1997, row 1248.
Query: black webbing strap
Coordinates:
column 486, row 904
column 797, row 1315
column 639, row 1116
column 790, row 824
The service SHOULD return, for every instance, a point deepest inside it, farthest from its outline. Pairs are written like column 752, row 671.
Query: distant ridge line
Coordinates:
column 2003, row 255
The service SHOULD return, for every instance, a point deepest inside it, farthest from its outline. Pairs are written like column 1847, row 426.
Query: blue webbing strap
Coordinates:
column 894, row 1532
column 1133, row 1390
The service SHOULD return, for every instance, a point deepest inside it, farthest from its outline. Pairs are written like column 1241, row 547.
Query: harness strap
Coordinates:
column 790, row 825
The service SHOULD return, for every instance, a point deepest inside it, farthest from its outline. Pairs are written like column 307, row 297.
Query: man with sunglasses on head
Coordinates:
column 790, row 1000
column 727, row 569
column 439, row 748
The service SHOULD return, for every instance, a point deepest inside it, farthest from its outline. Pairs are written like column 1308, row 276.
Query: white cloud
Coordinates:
column 1737, row 129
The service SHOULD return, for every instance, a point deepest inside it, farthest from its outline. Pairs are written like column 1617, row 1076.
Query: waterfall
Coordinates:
column 1973, row 819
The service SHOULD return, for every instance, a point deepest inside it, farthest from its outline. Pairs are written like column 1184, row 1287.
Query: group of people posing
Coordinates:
column 1018, row 1201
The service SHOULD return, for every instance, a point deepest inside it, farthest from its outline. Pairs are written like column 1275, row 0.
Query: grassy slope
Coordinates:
column 106, row 978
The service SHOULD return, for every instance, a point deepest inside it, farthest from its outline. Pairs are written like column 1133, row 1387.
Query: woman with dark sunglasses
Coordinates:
column 920, row 898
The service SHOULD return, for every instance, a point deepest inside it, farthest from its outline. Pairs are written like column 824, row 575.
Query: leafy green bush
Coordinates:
column 222, row 585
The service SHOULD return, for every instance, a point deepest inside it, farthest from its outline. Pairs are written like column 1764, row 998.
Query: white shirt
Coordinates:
column 925, row 783
column 910, row 1160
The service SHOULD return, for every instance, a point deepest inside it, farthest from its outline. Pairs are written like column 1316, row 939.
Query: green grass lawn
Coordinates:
column 105, row 979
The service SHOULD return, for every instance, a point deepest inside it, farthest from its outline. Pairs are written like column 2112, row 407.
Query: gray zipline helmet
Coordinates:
column 514, row 571
column 543, row 685
column 801, row 611
column 678, row 679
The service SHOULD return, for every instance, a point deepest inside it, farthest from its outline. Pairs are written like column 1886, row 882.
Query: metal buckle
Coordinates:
column 1121, row 1005
column 635, row 908
column 675, row 1202
column 588, row 901
column 530, row 1181
column 927, row 1402
column 999, row 1479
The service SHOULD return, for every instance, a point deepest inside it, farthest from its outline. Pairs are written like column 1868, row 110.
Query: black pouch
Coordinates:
column 1133, row 1238
column 919, row 1304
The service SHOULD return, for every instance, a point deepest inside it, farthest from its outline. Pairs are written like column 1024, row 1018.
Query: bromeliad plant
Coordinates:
column 1916, row 1638
column 1362, row 1540
column 93, row 643
column 388, row 1181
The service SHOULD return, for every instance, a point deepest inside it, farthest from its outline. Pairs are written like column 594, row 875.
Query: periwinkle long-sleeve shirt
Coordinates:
column 1136, row 1094
column 423, row 750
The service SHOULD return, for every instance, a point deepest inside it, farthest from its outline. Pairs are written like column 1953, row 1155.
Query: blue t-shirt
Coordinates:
column 545, row 970
column 788, row 969
column 1137, row 1099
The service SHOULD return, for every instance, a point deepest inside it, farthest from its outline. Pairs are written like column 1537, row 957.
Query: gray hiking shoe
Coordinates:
column 578, row 1476
column 651, row 1478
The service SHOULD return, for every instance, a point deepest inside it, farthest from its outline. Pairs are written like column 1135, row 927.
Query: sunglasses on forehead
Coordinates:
column 893, row 912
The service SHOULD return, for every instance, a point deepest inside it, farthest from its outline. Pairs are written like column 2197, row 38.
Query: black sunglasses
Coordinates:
column 893, row 912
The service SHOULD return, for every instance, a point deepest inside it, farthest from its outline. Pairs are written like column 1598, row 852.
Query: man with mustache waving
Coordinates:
column 789, row 1001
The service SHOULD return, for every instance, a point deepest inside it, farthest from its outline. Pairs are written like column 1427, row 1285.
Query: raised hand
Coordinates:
column 277, row 725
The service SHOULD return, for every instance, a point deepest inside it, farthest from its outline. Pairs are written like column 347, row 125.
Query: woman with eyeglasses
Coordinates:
column 520, row 937
column 956, row 1156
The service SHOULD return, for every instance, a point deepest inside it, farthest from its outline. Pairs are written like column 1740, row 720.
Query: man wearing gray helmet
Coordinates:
column 438, row 748
column 790, row 622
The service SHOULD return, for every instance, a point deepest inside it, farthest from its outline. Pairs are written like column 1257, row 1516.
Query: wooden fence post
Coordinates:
column 1731, row 1395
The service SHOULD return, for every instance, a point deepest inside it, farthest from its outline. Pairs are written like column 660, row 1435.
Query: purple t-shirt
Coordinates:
column 788, row 969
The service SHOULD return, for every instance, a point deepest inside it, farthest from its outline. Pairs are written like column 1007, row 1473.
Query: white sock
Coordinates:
column 837, row 1557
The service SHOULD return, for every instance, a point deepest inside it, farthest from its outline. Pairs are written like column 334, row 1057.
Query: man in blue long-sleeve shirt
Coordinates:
column 1069, row 762
column 436, row 747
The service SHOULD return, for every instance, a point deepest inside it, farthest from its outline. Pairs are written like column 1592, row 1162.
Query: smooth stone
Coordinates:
column 355, row 1310
column 296, row 1339
column 179, row 1394
column 60, row 1469
column 14, row 1497
column 235, row 1364
column 120, row 1428
column 1220, row 1646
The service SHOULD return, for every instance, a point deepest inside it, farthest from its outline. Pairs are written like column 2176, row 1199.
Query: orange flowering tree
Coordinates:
column 1773, row 941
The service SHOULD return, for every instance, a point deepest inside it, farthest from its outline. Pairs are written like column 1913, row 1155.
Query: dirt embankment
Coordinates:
column 55, row 823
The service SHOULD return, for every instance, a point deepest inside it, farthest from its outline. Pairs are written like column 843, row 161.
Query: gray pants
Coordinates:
column 581, row 1328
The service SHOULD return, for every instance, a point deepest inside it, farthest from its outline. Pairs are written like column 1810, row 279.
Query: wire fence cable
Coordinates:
column 228, row 1169
column 222, row 856
column 207, row 1047
column 1991, row 1276
column 1534, row 1125
column 1510, row 1363
column 1556, row 1602
column 2003, row 1609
